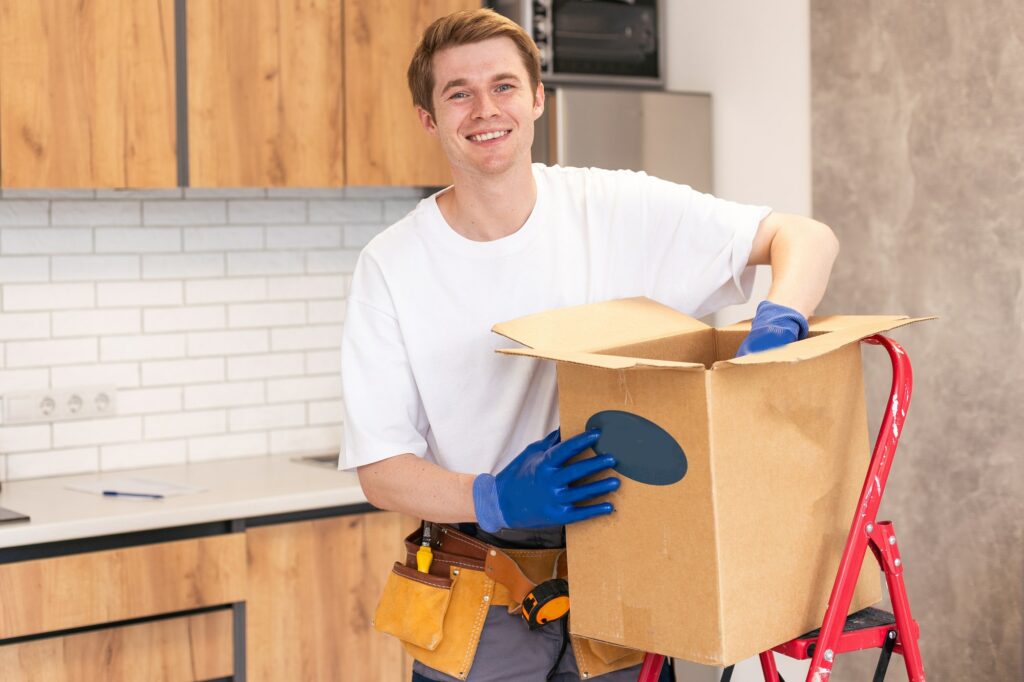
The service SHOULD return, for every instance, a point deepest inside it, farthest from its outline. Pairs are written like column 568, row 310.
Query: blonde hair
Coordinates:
column 463, row 28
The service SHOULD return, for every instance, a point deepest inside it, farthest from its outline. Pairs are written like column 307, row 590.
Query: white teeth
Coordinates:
column 488, row 136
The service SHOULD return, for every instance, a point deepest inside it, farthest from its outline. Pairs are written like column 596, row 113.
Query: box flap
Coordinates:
column 841, row 330
column 605, row 361
column 594, row 327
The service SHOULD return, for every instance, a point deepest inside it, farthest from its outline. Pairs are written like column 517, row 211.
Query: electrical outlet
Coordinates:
column 60, row 404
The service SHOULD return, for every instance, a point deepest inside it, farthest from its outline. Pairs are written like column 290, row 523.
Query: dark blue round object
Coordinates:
column 645, row 452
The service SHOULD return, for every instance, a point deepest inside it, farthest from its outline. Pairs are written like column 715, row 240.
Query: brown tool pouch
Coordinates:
column 439, row 615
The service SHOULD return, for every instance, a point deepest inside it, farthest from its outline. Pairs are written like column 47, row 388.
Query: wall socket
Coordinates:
column 60, row 404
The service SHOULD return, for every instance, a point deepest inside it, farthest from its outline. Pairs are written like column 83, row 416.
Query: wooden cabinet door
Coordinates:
column 385, row 143
column 265, row 93
column 313, row 589
column 87, row 94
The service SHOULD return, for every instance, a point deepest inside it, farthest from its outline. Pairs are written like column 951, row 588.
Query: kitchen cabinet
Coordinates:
column 313, row 589
column 385, row 142
column 265, row 93
column 87, row 94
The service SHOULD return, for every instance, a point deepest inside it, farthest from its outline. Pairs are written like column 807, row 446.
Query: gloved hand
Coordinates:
column 774, row 325
column 534, row 491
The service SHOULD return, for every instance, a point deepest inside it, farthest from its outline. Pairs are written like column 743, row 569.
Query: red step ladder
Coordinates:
column 895, row 632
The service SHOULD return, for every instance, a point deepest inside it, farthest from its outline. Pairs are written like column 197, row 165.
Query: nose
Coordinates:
column 485, row 107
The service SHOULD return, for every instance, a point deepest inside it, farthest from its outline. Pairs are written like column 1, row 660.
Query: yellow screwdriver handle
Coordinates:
column 424, row 557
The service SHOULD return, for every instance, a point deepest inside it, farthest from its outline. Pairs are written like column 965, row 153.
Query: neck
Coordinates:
column 485, row 208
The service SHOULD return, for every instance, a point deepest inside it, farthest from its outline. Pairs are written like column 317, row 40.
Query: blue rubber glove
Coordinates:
column 536, row 489
column 774, row 325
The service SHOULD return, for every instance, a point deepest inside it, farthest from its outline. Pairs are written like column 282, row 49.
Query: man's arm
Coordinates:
column 412, row 485
column 801, row 252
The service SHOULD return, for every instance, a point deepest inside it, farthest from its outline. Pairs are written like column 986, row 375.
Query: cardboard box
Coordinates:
column 740, row 554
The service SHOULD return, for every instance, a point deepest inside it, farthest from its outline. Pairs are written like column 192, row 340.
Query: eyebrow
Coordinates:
column 459, row 82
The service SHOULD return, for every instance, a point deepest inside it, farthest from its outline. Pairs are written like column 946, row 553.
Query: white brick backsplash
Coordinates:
column 94, row 268
column 358, row 236
column 324, row 361
column 97, row 322
column 331, row 261
column 48, row 296
column 24, row 212
column 121, row 374
column 345, row 211
column 226, row 447
column 264, row 366
column 94, row 212
column 24, row 268
column 326, row 412
column 306, row 192
column 146, row 454
column 117, row 294
column 12, row 380
column 303, row 237
column 227, row 343
column 226, row 290
column 45, row 240
column 324, row 312
column 182, row 319
column 182, row 266
column 52, row 463
column 22, row 438
column 263, row 212
column 183, row 212
column 389, row 192
column 149, row 400
column 266, row 314
column 138, row 240
column 223, row 238
column 266, row 263
column 97, row 432
column 307, row 388
column 303, row 288
column 19, row 193
column 185, row 424
column 396, row 209
column 223, row 395
column 142, row 347
column 316, row 439
column 224, row 192
column 49, row 353
column 178, row 372
column 139, row 193
column 305, row 338
column 26, row 326
column 267, row 417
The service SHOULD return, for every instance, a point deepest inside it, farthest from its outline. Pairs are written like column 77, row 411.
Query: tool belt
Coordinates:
column 439, row 615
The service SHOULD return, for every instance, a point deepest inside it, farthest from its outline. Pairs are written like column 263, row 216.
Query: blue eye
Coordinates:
column 459, row 95
column 504, row 87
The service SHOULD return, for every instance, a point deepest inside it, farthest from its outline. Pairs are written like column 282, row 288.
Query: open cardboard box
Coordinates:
column 740, row 554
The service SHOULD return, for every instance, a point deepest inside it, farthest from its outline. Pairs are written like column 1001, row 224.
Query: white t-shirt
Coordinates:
column 419, row 369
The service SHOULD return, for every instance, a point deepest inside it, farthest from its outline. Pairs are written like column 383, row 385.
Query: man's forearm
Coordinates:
column 802, row 253
column 412, row 485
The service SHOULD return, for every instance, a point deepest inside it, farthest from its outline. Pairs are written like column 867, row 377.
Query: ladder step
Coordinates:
column 861, row 620
column 865, row 629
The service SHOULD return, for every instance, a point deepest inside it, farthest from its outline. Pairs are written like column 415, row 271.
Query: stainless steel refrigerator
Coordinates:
column 666, row 134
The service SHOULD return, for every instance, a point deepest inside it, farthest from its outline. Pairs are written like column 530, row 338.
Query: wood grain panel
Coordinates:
column 87, row 94
column 97, row 587
column 265, row 93
column 385, row 143
column 313, row 588
column 158, row 650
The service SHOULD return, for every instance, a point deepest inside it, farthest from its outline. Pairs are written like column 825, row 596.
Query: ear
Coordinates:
column 427, row 121
column 538, row 101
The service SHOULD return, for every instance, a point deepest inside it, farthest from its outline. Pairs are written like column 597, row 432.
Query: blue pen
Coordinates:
column 117, row 493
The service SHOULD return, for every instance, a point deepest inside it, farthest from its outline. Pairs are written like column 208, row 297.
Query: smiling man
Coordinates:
column 440, row 426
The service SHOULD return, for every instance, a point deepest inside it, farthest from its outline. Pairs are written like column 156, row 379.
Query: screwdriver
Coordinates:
column 424, row 555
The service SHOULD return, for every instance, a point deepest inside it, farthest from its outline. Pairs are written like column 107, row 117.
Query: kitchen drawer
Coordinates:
column 45, row 595
column 196, row 647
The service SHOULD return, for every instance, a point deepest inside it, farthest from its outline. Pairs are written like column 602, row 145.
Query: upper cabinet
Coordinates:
column 87, row 94
column 385, row 143
column 265, row 93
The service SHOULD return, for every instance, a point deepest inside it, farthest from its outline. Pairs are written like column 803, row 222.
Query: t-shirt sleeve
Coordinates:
column 384, row 415
column 698, row 246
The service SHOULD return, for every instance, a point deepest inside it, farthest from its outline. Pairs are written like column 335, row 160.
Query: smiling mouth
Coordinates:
column 484, row 137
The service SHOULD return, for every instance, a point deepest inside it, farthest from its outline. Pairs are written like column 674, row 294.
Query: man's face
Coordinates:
column 484, row 106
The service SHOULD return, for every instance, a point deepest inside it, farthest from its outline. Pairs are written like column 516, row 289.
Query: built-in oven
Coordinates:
column 597, row 42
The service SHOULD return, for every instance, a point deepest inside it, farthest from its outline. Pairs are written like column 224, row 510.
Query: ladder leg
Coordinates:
column 650, row 671
column 771, row 673
column 905, row 625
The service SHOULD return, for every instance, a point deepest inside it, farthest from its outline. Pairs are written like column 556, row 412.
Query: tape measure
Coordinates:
column 546, row 603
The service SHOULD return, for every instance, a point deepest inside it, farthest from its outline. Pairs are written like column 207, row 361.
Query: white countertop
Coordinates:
column 234, row 489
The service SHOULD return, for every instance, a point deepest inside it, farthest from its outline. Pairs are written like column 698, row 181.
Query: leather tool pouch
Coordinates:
column 439, row 616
